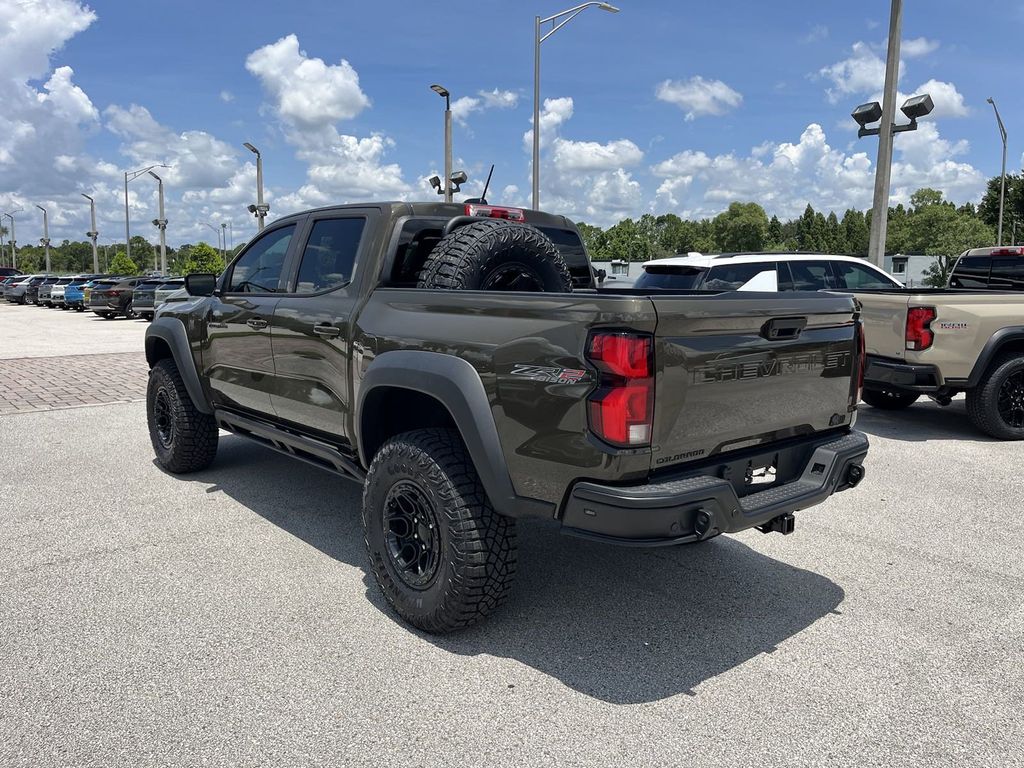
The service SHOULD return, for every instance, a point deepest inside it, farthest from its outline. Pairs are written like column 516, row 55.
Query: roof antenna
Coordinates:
column 482, row 200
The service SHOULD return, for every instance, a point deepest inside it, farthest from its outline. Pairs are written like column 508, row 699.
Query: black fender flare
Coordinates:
column 454, row 383
column 171, row 331
column 992, row 348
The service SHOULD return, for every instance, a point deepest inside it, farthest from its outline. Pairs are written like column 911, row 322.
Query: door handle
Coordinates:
column 256, row 323
column 781, row 328
column 327, row 331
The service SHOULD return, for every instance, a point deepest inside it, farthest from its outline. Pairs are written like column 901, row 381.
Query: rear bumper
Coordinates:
column 886, row 373
column 692, row 507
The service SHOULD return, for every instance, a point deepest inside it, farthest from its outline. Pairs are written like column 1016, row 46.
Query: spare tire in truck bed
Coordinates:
column 496, row 255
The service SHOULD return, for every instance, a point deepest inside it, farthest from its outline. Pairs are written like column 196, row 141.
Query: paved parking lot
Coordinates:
column 228, row 618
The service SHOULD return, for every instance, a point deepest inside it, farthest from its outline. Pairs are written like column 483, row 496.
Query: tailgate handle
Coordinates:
column 781, row 328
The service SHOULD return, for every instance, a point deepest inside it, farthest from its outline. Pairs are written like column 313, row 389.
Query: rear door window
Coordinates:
column 853, row 276
column 330, row 254
column 811, row 275
column 573, row 253
column 971, row 272
column 732, row 277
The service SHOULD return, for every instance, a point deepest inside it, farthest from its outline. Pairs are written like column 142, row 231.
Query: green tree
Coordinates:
column 741, row 227
column 835, row 234
column 855, row 228
column 122, row 265
column 590, row 235
column 988, row 209
column 775, row 237
column 924, row 197
column 201, row 257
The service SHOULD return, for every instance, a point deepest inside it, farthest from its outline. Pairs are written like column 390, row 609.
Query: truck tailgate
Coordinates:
column 750, row 368
column 884, row 315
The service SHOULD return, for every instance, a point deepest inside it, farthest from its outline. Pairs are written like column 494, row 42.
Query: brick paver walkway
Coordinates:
column 48, row 383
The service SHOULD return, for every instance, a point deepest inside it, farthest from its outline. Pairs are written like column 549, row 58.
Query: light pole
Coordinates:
column 1002, row 184
column 92, row 234
column 45, row 240
column 261, row 209
column 218, row 232
column 568, row 15
column 224, row 241
column 161, row 224
column 443, row 93
column 131, row 176
column 14, row 242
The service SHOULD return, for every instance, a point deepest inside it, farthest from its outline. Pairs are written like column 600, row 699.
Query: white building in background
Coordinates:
column 911, row 269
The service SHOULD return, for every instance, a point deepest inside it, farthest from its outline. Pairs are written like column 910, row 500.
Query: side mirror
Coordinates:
column 201, row 284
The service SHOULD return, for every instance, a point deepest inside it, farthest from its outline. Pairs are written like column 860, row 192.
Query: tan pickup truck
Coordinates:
column 943, row 341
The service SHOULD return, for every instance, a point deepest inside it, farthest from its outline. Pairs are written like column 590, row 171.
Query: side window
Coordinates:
column 971, row 272
column 732, row 277
column 259, row 269
column 571, row 249
column 330, row 255
column 857, row 276
column 1007, row 274
column 811, row 275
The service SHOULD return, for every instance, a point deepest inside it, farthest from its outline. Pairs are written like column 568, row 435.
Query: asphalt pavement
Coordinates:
column 228, row 618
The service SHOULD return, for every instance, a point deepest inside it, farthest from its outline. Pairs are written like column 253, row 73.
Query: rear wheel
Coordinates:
column 129, row 311
column 888, row 399
column 183, row 437
column 996, row 405
column 441, row 555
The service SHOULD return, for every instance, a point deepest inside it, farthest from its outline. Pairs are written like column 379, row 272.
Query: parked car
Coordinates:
column 6, row 281
column 32, row 291
column 57, row 292
column 43, row 291
column 763, row 272
column 940, row 342
column 171, row 289
column 9, row 272
column 74, row 291
column 111, row 297
column 17, row 290
column 404, row 346
column 144, row 297
column 1000, row 268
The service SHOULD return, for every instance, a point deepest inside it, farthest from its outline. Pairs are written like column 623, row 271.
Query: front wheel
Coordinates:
column 888, row 399
column 183, row 437
column 996, row 405
column 129, row 311
column 441, row 555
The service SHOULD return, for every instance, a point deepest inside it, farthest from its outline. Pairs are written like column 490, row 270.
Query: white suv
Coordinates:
column 764, row 272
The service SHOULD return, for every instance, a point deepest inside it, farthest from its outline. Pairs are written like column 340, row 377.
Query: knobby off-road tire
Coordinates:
column 496, row 255
column 441, row 555
column 184, row 438
column 888, row 399
column 996, row 405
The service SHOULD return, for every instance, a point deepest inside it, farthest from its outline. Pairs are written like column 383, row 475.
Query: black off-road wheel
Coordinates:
column 184, row 438
column 441, row 555
column 496, row 255
column 888, row 399
column 996, row 405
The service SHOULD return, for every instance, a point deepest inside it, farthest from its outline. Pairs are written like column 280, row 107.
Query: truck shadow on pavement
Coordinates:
column 922, row 421
column 620, row 625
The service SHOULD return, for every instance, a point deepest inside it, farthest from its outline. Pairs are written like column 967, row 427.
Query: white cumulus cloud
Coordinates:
column 464, row 106
column 698, row 96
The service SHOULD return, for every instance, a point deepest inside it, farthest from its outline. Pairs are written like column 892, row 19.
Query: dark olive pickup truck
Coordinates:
column 633, row 417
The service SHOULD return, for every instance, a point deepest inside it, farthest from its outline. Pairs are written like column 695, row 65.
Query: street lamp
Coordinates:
column 218, row 231
column 45, row 239
column 568, row 15
column 131, row 176
column 14, row 242
column 443, row 93
column 161, row 224
column 1002, row 185
column 92, row 234
column 261, row 209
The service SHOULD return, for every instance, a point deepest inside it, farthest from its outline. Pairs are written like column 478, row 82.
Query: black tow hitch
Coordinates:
column 784, row 524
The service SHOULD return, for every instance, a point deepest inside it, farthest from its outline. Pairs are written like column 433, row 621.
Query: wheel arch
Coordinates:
column 407, row 389
column 166, row 338
column 1009, row 339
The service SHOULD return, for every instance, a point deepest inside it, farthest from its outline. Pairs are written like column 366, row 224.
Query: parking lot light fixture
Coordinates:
column 261, row 209
column 161, row 224
column 131, row 176
column 45, row 239
column 1002, row 183
column 557, row 21
column 441, row 91
column 93, row 234
column 14, row 242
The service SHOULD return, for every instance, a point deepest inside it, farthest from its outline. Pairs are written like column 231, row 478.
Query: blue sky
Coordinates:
column 665, row 106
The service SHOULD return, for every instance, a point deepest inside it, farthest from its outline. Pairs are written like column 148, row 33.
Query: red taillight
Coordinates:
column 862, row 360
column 494, row 212
column 1007, row 252
column 622, row 407
column 919, row 335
